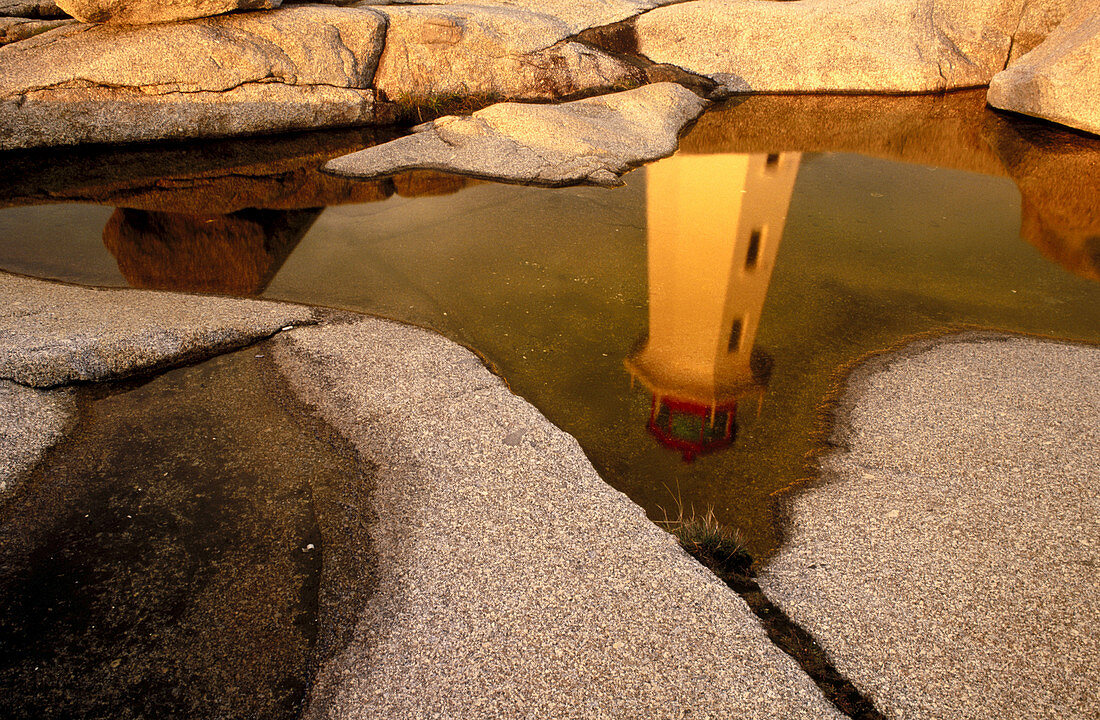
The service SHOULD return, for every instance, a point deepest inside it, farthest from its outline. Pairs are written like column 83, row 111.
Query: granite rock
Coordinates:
column 14, row 29
column 835, row 45
column 53, row 334
column 141, row 12
column 1060, row 79
column 574, row 16
column 947, row 560
column 500, row 585
column 42, row 9
column 585, row 141
column 291, row 68
column 490, row 52
column 31, row 420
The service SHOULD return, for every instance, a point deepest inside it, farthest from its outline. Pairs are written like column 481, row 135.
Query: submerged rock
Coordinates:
column 594, row 140
column 836, row 45
column 140, row 12
column 215, row 177
column 1060, row 79
column 489, row 52
column 292, row 68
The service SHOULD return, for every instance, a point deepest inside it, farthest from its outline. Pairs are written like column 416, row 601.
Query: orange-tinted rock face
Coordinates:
column 235, row 254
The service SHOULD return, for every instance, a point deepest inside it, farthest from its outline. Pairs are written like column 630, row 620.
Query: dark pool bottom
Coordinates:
column 164, row 561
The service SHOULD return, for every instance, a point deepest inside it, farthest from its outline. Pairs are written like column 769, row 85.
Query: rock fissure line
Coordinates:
column 794, row 640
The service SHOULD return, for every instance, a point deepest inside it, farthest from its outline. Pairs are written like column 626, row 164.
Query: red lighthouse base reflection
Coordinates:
column 690, row 428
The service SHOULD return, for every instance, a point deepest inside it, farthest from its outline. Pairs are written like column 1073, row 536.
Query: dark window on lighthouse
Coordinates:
column 772, row 162
column 753, row 253
column 735, row 336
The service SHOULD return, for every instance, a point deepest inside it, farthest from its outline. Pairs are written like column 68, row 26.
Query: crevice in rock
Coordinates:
column 620, row 40
column 791, row 638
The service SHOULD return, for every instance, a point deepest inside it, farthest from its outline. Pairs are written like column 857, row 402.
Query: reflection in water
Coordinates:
column 903, row 219
column 714, row 223
column 235, row 254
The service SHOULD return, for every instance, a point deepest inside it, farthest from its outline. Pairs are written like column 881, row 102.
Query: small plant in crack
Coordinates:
column 718, row 547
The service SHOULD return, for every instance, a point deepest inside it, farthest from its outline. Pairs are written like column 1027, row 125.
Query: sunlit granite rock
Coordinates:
column 291, row 68
column 1060, row 79
column 494, row 52
column 57, row 334
column 140, row 12
column 43, row 9
column 573, row 16
column 947, row 560
column 594, row 140
column 836, row 45
column 14, row 29
column 499, row 583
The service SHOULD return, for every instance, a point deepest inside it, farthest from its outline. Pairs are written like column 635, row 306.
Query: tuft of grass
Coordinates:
column 416, row 109
column 715, row 545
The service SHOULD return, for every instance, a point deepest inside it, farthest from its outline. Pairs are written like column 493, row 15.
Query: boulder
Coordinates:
column 946, row 560
column 1060, row 79
column 141, row 12
column 585, row 141
column 288, row 69
column 42, row 9
column 496, row 53
column 575, row 16
column 58, row 334
column 1037, row 20
column 14, row 29
column 898, row 46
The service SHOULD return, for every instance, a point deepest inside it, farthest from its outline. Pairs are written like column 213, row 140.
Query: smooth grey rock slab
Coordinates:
column 31, row 421
column 14, row 29
column 292, row 68
column 510, row 580
column 1060, row 79
column 835, row 45
column 586, row 141
column 52, row 334
column 140, row 12
column 948, row 560
column 490, row 52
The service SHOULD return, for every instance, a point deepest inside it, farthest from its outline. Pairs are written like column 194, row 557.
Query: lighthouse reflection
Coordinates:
column 714, row 226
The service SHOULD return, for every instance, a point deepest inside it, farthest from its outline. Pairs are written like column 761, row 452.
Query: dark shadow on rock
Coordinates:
column 235, row 254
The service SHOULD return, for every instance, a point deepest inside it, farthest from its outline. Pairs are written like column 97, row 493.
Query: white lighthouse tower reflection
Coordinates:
column 714, row 225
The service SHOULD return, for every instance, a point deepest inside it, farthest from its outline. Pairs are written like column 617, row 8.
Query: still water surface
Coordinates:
column 685, row 327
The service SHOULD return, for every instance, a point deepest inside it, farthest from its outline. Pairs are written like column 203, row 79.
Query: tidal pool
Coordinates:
column 686, row 327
